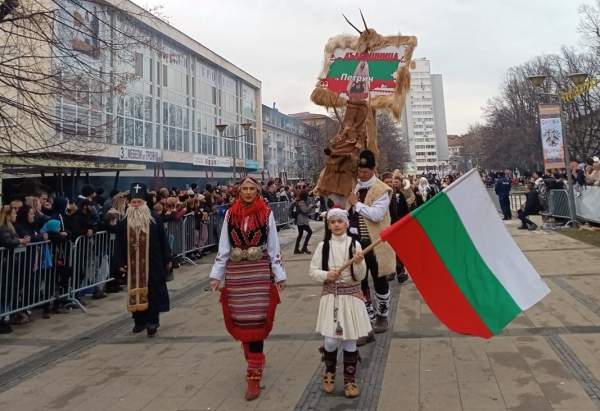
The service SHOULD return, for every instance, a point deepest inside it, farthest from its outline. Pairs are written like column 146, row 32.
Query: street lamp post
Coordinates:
column 222, row 127
column 577, row 78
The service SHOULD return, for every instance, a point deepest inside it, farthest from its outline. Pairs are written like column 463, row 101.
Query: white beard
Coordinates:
column 139, row 218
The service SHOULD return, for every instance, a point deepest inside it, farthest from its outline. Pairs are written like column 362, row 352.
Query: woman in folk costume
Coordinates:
column 343, row 315
column 249, row 262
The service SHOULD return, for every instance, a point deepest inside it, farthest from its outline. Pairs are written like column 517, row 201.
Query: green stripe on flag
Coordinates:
column 485, row 293
column 378, row 69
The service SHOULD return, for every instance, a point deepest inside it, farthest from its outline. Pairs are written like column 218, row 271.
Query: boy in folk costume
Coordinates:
column 249, row 261
column 142, row 251
column 342, row 316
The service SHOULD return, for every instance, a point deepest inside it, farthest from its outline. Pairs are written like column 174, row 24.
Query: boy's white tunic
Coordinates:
column 352, row 313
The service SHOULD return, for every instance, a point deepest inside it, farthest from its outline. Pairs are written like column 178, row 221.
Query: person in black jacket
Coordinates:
column 304, row 209
column 398, row 209
column 503, row 191
column 25, row 226
column 30, row 279
column 531, row 206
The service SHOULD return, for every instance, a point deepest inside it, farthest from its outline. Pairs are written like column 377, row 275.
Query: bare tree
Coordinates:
column 393, row 153
column 589, row 26
column 61, row 64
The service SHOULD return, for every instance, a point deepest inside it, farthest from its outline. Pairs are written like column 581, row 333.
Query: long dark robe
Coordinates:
column 159, row 255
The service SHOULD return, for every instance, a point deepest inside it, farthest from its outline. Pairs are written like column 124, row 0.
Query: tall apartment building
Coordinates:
column 424, row 120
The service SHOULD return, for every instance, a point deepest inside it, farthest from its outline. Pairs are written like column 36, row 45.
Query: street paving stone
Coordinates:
column 547, row 359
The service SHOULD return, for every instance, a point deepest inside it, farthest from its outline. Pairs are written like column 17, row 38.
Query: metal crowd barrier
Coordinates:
column 33, row 275
column 41, row 273
column 90, row 263
column 558, row 204
column 281, row 212
column 517, row 199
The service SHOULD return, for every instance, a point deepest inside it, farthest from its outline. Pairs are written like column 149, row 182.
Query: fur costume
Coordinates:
column 358, row 129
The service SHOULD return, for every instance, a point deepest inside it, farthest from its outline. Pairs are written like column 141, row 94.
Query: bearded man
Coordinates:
column 142, row 251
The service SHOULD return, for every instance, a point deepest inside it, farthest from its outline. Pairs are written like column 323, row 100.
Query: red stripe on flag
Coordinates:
column 432, row 278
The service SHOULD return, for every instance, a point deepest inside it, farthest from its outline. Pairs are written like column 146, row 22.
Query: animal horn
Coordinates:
column 353, row 26
column 363, row 19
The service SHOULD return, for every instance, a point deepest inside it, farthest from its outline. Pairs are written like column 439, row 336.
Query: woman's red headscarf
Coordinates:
column 257, row 212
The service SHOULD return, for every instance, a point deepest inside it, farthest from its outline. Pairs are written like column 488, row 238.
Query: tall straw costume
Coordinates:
column 387, row 88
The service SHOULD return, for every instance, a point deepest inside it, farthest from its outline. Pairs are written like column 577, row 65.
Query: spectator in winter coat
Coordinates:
column 269, row 193
column 593, row 175
column 8, row 234
column 9, row 239
column 398, row 209
column 577, row 173
column 59, row 212
column 39, row 217
column 425, row 189
column 303, row 211
column 25, row 225
column 108, row 203
column 404, row 194
column 531, row 206
column 80, row 222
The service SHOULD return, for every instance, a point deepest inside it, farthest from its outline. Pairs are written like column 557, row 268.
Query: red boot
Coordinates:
column 256, row 363
column 246, row 349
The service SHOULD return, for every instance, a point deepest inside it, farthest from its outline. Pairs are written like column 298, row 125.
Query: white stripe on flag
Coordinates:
column 494, row 243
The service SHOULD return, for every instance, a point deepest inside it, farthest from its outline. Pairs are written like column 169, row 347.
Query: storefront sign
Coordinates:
column 552, row 137
column 211, row 161
column 252, row 164
column 140, row 154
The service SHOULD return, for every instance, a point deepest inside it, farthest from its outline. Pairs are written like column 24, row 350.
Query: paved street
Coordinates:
column 547, row 359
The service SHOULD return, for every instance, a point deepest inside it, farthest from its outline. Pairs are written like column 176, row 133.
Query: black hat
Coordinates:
column 366, row 159
column 138, row 190
column 87, row 190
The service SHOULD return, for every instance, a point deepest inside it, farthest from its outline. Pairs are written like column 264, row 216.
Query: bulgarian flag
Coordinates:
column 463, row 261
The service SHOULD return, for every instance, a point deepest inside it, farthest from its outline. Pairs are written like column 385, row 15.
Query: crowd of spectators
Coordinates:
column 40, row 217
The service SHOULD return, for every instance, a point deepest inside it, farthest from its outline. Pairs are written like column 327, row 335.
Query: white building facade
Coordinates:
column 166, row 114
column 287, row 145
column 424, row 120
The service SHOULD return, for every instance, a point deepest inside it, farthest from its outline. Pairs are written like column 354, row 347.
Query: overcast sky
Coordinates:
column 470, row 42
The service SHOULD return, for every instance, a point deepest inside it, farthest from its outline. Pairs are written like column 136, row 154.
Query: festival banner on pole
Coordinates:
column 552, row 137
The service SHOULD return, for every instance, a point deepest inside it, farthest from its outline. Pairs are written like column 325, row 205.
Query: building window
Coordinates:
column 139, row 65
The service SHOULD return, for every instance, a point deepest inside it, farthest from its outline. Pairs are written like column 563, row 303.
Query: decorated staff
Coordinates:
column 249, row 262
column 142, row 251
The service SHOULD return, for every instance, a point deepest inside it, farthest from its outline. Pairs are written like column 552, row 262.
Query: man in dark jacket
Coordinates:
column 304, row 209
column 503, row 192
column 269, row 193
column 531, row 206
column 79, row 223
column 398, row 209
